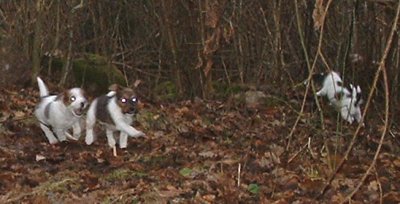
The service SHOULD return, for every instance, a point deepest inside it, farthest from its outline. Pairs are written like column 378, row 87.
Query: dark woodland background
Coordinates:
column 194, row 62
column 198, row 48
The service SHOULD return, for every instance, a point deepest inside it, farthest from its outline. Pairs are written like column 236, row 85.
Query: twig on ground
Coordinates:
column 379, row 185
column 297, row 153
column 310, row 149
column 238, row 180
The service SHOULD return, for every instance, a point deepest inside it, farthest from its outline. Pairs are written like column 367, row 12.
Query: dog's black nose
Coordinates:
column 133, row 110
column 82, row 104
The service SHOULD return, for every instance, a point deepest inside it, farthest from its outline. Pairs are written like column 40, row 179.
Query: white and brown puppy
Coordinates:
column 59, row 113
column 115, row 110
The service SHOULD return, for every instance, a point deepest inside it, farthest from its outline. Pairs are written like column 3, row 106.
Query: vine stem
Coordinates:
column 386, row 121
column 311, row 70
column 382, row 68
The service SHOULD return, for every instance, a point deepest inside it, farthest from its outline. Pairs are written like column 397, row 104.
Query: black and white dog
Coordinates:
column 349, row 105
column 115, row 110
column 346, row 100
column 59, row 113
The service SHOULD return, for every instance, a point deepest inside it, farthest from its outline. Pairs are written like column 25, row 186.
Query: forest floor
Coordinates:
column 196, row 152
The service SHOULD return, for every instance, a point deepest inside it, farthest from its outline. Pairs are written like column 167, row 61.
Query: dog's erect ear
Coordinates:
column 359, row 100
column 114, row 87
column 137, row 83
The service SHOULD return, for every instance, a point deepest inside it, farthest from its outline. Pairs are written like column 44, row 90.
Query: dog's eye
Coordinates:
column 134, row 100
column 72, row 98
column 123, row 100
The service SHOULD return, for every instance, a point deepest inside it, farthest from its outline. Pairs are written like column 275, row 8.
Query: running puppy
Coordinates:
column 115, row 110
column 332, row 86
column 345, row 100
column 59, row 113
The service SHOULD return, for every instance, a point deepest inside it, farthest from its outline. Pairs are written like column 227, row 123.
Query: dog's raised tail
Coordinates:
column 42, row 88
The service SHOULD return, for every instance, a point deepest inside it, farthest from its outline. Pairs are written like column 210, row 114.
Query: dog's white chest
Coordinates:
column 119, row 119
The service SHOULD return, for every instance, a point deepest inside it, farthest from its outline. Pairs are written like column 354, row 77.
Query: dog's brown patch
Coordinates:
column 64, row 96
column 102, row 112
column 84, row 93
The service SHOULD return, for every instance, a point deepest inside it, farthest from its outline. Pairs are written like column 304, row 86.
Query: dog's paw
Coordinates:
column 53, row 141
column 69, row 136
column 88, row 142
column 139, row 134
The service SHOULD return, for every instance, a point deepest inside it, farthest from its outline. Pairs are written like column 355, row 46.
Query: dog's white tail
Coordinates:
column 42, row 87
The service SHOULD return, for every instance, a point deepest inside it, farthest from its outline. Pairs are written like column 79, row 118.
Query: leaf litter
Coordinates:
column 195, row 151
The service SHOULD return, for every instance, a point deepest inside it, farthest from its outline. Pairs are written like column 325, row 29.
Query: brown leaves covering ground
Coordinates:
column 195, row 152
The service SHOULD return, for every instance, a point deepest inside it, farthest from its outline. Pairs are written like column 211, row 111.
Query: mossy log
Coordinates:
column 92, row 72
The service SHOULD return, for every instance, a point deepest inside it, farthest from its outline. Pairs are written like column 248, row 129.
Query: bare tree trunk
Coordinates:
column 36, row 50
column 172, row 44
column 214, row 12
column 56, row 38
column 238, row 43
column 68, row 64
column 276, row 71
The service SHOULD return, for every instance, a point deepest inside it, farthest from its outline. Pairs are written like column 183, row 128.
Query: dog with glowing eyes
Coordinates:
column 115, row 110
column 59, row 113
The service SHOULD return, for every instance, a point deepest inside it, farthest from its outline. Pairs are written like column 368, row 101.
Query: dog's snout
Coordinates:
column 133, row 109
column 82, row 104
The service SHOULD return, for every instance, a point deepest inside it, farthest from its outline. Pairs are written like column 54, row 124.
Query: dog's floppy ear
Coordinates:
column 114, row 87
column 63, row 96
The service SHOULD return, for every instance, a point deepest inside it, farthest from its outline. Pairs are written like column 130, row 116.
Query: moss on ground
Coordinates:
column 124, row 174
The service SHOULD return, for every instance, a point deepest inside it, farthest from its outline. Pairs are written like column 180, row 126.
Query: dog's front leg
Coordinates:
column 321, row 92
column 60, row 134
column 110, row 137
column 130, row 130
column 49, row 134
column 111, row 141
column 346, row 115
column 90, row 121
column 123, row 139
column 357, row 115
column 76, row 128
